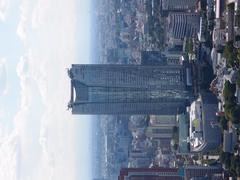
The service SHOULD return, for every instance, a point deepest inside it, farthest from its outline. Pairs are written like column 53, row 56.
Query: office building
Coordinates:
column 182, row 173
column 128, row 89
column 177, row 5
column 208, row 172
column 183, row 25
column 149, row 174
column 161, row 127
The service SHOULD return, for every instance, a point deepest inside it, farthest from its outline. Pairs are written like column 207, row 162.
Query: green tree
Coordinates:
column 189, row 46
column 224, row 123
column 227, row 161
column 175, row 147
column 228, row 109
column 238, row 170
column 229, row 53
column 222, row 156
column 233, row 164
column 228, row 92
column 225, row 158
column 236, row 115
column 238, row 77
column 175, row 134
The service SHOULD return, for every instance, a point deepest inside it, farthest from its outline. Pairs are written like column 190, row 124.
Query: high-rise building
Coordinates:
column 128, row 89
column 209, row 172
column 150, row 174
column 177, row 5
column 161, row 126
column 184, row 173
column 183, row 24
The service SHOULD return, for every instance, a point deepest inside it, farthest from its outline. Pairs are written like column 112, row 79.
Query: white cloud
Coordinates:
column 23, row 27
column 3, row 77
column 4, row 5
column 39, row 17
column 46, row 131
column 9, row 151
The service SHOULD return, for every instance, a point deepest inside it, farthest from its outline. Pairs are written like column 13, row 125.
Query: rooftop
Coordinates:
column 205, row 134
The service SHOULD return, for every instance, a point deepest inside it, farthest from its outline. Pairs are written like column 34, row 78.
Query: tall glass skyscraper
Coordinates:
column 127, row 89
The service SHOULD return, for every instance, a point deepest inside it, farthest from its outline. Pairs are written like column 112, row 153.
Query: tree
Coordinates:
column 225, row 158
column 224, row 122
column 236, row 115
column 238, row 77
column 238, row 170
column 222, row 156
column 229, row 89
column 228, row 109
column 238, row 53
column 175, row 134
column 228, row 92
column 175, row 129
column 227, row 161
column 175, row 147
column 189, row 46
column 233, row 164
column 229, row 53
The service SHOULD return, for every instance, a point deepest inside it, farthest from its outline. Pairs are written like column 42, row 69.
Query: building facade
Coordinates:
column 161, row 126
column 177, row 5
column 149, row 174
column 204, row 130
column 127, row 89
column 184, row 173
column 183, row 24
column 209, row 172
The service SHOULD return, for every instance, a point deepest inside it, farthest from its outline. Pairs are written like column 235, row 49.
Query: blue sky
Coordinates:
column 39, row 139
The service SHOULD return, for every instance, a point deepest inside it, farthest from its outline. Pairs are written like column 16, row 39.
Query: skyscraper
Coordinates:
column 127, row 89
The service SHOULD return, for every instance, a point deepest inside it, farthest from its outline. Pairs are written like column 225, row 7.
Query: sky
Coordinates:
column 39, row 138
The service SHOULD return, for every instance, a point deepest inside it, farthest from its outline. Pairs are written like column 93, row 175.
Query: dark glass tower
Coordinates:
column 127, row 89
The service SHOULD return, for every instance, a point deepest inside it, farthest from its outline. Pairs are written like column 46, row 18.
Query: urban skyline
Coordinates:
column 119, row 89
column 201, row 37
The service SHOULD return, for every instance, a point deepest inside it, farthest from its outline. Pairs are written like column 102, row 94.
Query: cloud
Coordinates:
column 4, row 5
column 3, row 77
column 9, row 152
column 39, row 17
column 23, row 27
column 45, row 129
column 42, row 143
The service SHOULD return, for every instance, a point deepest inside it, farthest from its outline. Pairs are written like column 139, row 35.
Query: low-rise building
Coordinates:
column 204, row 132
